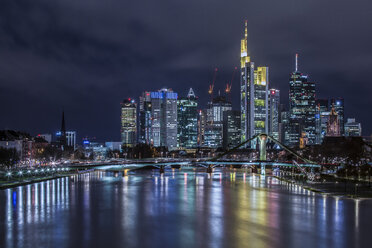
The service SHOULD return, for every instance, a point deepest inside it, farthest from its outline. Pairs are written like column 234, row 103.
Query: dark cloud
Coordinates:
column 87, row 55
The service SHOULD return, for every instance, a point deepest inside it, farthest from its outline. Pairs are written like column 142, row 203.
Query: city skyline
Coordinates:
column 30, row 88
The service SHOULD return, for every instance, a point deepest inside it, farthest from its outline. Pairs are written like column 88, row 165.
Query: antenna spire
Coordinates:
column 246, row 29
column 296, row 69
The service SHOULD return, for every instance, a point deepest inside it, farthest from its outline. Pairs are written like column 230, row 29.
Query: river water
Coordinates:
column 182, row 208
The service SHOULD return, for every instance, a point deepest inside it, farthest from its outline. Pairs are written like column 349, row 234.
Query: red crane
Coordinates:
column 211, row 86
column 228, row 86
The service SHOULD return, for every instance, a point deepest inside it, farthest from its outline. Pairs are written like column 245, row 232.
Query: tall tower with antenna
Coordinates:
column 246, row 89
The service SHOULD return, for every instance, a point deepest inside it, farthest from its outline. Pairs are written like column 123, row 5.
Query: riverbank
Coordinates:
column 336, row 186
column 30, row 180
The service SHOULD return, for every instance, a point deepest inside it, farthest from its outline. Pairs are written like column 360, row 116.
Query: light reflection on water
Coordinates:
column 183, row 208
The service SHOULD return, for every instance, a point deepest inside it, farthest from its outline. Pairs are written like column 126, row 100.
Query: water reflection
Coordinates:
column 181, row 208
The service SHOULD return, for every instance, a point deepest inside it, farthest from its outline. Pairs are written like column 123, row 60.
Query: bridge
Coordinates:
column 305, row 166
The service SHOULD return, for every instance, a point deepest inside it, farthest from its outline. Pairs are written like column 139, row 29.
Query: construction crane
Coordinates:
column 211, row 86
column 228, row 86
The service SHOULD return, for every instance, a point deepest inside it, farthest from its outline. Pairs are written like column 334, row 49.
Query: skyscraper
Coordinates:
column 213, row 136
column 144, row 118
column 274, row 104
column 128, row 122
column 302, row 108
column 321, row 119
column 187, row 114
column 164, row 118
column 231, row 129
column 253, row 95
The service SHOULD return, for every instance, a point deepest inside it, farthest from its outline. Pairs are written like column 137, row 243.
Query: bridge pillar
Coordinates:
column 263, row 168
column 162, row 169
column 263, row 140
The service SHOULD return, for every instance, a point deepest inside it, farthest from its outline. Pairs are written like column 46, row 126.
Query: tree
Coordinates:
column 8, row 157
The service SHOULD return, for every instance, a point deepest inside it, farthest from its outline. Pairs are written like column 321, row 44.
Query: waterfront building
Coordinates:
column 302, row 108
column 353, row 128
column 187, row 114
column 145, row 118
column 128, row 122
column 113, row 145
column 46, row 136
column 253, row 95
column 19, row 141
column 274, row 117
column 69, row 140
column 231, row 129
column 338, row 104
column 213, row 136
column 164, row 118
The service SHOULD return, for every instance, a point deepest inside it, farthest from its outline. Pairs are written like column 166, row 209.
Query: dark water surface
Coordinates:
column 182, row 208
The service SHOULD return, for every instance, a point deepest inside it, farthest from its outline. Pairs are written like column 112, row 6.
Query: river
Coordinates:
column 182, row 208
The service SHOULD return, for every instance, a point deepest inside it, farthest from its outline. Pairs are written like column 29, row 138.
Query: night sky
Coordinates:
column 85, row 56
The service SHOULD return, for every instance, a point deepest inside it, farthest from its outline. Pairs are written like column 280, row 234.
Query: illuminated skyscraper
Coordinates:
column 187, row 121
column 321, row 119
column 253, row 95
column 302, row 108
column 213, row 136
column 145, row 118
column 164, row 118
column 231, row 129
column 274, row 103
column 129, row 122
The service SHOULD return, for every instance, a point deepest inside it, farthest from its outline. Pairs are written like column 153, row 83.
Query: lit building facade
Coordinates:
column 164, row 118
column 144, row 118
column 321, row 119
column 187, row 130
column 253, row 95
column 231, row 129
column 274, row 104
column 213, row 136
column 128, row 122
column 353, row 128
column 302, row 109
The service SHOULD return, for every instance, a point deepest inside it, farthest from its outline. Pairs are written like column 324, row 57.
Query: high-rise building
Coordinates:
column 353, row 128
column 202, row 123
column 231, row 129
column 274, row 104
column 253, row 95
column 129, row 122
column 321, row 106
column 187, row 115
column 338, row 104
column 213, row 136
column 145, row 118
column 302, row 108
column 164, row 118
